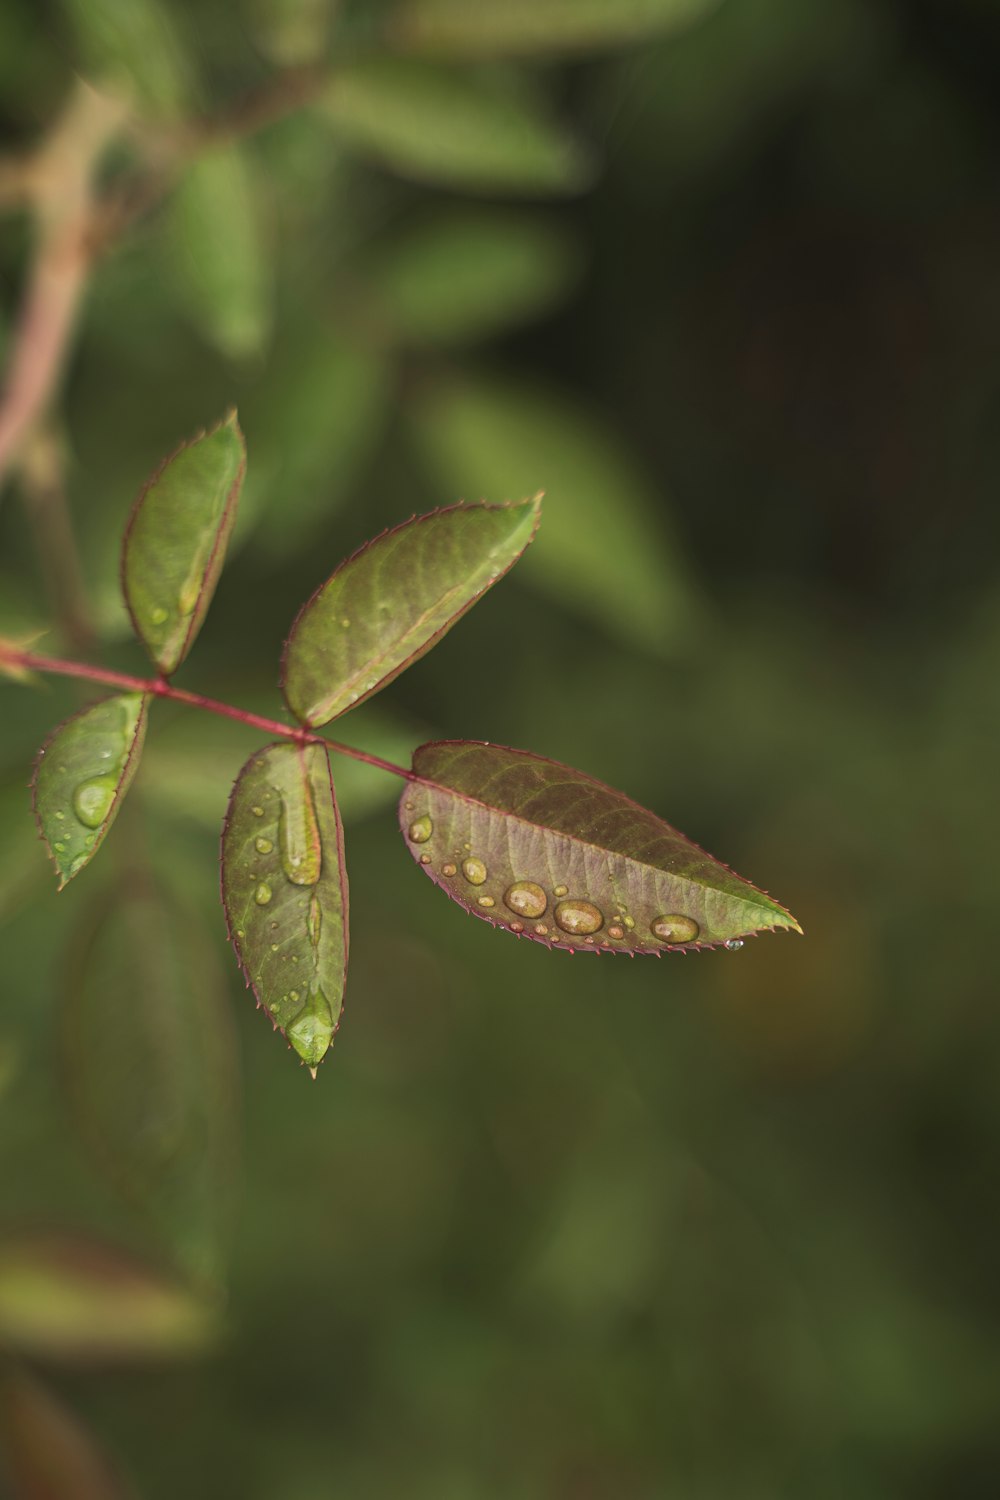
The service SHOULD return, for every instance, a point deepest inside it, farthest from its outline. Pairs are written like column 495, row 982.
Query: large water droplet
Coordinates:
column 92, row 800
column 312, row 1030
column 474, row 870
column 526, row 898
column 675, row 928
column 263, row 846
column 298, row 835
column 579, row 917
column 159, row 615
column 262, row 894
column 421, row 830
column 734, row 944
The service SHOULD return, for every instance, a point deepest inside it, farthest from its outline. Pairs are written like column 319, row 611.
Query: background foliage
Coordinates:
column 722, row 281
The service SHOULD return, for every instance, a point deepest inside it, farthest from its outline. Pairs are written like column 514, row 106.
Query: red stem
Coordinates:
column 159, row 687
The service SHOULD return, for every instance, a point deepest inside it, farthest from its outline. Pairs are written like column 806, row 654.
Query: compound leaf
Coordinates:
column 83, row 771
column 556, row 856
column 284, row 888
column 447, row 127
column 176, row 539
column 386, row 606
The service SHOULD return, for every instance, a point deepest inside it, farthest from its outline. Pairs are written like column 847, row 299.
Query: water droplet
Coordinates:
column 263, row 846
column 92, row 800
column 517, row 926
column 579, row 917
column 449, row 870
column 312, row 1030
column 486, row 901
column 258, row 812
column 60, row 816
column 629, row 922
column 240, row 932
column 425, row 859
column 59, row 846
column 616, row 931
column 421, row 830
column 293, row 995
column 408, row 806
column 541, row 929
column 159, row 615
column 561, row 890
column 675, row 928
column 314, row 921
column 474, row 870
column 262, row 894
column 734, row 944
column 274, row 947
column 466, row 845
column 295, row 958
column 190, row 593
column 346, row 624
column 299, row 840
column 526, row 898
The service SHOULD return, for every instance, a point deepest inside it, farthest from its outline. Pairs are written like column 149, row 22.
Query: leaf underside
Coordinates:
column 176, row 539
column 83, row 771
column 551, row 854
column 386, row 606
column 284, row 888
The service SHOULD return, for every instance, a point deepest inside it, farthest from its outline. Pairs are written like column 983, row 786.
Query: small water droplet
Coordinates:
column 262, row 894
column 408, row 806
column 561, row 890
column 92, row 800
column 466, row 845
column 579, row 917
column 425, row 859
column 616, row 931
column 421, row 830
column 263, row 846
column 59, row 846
column 345, row 622
column 629, row 922
column 449, row 869
column 734, row 944
column 541, row 929
column 517, row 926
column 486, row 901
column 159, row 616
column 675, row 928
column 526, row 898
column 60, row 816
column 295, row 958
column 474, row 870
column 274, row 947
column 293, row 995
column 258, row 812
column 240, row 932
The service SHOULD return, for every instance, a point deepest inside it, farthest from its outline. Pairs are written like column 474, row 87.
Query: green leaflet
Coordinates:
column 137, row 45
column 451, row 128
column 175, row 544
column 67, row 1298
column 526, row 28
column 284, row 888
column 559, row 857
column 149, row 1069
column 83, row 771
column 386, row 606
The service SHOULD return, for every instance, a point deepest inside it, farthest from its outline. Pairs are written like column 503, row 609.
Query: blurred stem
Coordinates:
column 22, row 662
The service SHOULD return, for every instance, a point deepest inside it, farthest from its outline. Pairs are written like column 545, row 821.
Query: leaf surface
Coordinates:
column 448, row 127
column 554, row 855
column 69, row 1298
column 284, row 888
column 83, row 771
column 175, row 544
column 386, row 606
column 528, row 28
column 149, row 1068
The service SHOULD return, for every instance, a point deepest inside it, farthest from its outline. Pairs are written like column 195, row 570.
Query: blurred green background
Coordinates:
column 721, row 279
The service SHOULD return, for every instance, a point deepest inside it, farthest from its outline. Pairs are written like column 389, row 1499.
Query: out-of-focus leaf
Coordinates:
column 218, row 255
column 175, row 544
column 605, row 552
column 386, row 606
column 314, row 423
column 525, row 28
column 292, row 33
column 21, row 871
column 449, row 127
column 135, row 43
column 149, row 1069
column 552, row 854
column 69, row 1299
column 48, row 1454
column 468, row 273
column 83, row 771
column 284, row 887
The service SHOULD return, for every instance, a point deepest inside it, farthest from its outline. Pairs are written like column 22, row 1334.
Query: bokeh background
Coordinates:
column 722, row 280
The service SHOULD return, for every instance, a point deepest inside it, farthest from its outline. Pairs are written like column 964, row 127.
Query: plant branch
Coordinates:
column 22, row 662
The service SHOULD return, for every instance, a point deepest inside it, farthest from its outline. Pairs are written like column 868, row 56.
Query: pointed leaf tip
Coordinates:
column 82, row 773
column 176, row 539
column 552, row 854
column 386, row 606
column 284, row 889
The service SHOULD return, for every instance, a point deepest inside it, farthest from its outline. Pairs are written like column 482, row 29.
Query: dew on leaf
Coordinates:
column 561, row 890
column 298, row 834
column 474, row 870
column 258, row 812
column 312, row 1030
column 486, row 901
column 421, row 830
column 734, row 944
column 541, row 929
column 425, row 859
column 579, row 917
column 675, row 928
column 517, row 926
column 629, row 922
column 92, row 800
column 263, row 893
column 449, row 869
column 263, row 846
column 159, row 615
column 526, row 898
column 314, row 921
column 60, row 816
